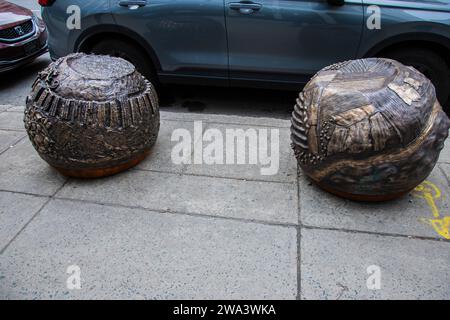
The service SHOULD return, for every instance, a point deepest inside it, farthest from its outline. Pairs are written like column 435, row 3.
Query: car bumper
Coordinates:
column 13, row 64
column 16, row 54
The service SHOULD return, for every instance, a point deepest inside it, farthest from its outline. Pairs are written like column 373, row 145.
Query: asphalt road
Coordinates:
column 15, row 85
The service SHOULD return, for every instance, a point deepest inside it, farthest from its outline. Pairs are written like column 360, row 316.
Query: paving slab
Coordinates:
column 22, row 170
column 230, row 119
column 253, row 200
column 445, row 153
column 159, row 158
column 445, row 167
column 282, row 168
column 16, row 210
column 334, row 266
column 8, row 138
column 4, row 107
column 134, row 254
column 12, row 121
column 406, row 216
column 16, row 109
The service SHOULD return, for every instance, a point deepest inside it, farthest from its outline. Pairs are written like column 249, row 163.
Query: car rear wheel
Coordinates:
column 432, row 65
column 129, row 52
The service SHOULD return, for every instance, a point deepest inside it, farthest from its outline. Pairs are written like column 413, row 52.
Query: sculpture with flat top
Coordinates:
column 91, row 116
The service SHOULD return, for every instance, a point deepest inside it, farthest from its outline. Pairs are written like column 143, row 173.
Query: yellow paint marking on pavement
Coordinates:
column 442, row 226
column 430, row 192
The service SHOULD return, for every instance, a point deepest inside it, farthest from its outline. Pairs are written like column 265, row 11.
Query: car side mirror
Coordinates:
column 336, row 2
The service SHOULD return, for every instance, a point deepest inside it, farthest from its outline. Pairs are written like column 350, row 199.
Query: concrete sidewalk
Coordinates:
column 162, row 231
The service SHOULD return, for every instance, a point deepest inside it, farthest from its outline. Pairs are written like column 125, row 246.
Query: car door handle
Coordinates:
column 245, row 7
column 336, row 2
column 133, row 4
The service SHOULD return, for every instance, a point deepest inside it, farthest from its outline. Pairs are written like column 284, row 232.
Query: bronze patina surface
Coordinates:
column 91, row 116
column 369, row 129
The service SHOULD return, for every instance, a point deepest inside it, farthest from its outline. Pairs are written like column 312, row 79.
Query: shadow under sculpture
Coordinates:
column 369, row 129
column 91, row 116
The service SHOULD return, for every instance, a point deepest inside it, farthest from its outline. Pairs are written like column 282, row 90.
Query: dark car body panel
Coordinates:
column 189, row 36
column 404, row 21
column 280, row 45
column 20, row 49
column 288, row 38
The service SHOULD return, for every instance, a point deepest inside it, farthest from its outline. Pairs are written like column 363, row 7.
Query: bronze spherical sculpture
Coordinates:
column 369, row 129
column 91, row 116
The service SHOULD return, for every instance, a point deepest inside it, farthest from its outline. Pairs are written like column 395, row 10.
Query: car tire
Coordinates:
column 131, row 53
column 432, row 65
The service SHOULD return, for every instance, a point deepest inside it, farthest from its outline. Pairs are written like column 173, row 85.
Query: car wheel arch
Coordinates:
column 437, row 52
column 437, row 43
column 90, row 36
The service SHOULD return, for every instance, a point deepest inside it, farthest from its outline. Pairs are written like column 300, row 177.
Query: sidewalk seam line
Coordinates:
column 11, row 106
column 13, row 111
column 382, row 234
column 32, row 218
column 299, row 239
column 444, row 174
column 271, row 223
column 26, row 193
column 209, row 176
column 13, row 130
column 24, row 226
column 12, row 145
column 228, row 123
column 192, row 214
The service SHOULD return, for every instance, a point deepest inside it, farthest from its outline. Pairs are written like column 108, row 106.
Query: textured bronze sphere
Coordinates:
column 369, row 129
column 91, row 116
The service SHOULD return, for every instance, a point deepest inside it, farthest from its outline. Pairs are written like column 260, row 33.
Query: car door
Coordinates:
column 187, row 36
column 287, row 40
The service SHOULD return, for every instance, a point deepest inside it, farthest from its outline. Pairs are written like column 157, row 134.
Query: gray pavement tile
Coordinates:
column 8, row 138
column 4, row 107
column 11, row 121
column 282, row 166
column 129, row 253
column 16, row 210
column 445, row 153
column 265, row 201
column 16, row 109
column 335, row 265
column 407, row 216
column 22, row 170
column 159, row 158
column 445, row 167
column 230, row 119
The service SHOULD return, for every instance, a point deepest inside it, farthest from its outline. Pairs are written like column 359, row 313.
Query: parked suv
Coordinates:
column 260, row 43
column 22, row 36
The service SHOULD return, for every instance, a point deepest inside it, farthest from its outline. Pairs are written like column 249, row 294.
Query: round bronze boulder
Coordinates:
column 91, row 116
column 369, row 129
